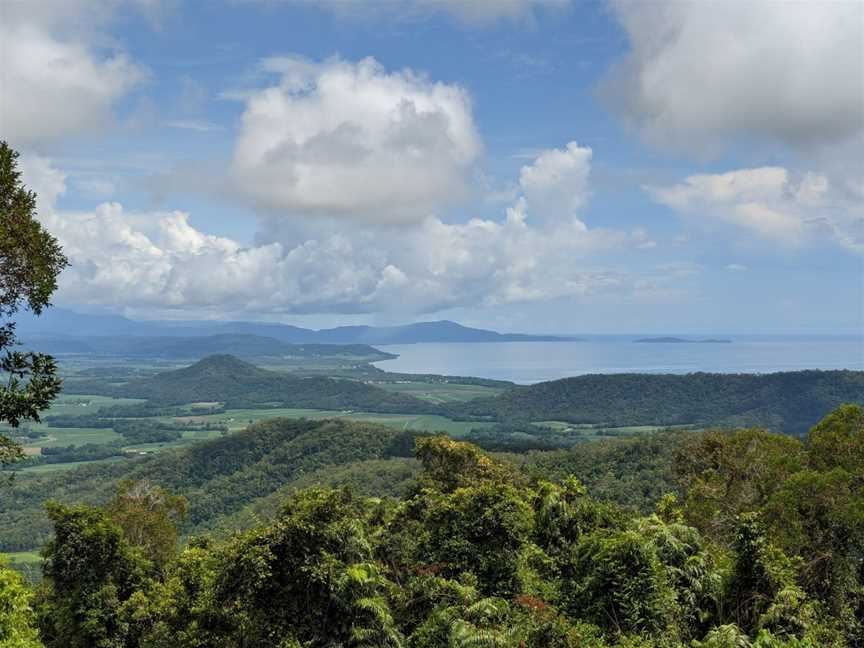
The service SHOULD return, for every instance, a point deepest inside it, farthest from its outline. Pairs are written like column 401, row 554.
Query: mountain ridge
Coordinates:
column 60, row 322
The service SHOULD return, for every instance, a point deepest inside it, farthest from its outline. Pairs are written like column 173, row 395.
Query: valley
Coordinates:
column 355, row 425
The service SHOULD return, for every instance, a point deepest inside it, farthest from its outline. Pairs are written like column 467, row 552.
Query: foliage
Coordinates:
column 238, row 384
column 149, row 517
column 219, row 477
column 789, row 401
column 476, row 553
column 17, row 619
column 30, row 260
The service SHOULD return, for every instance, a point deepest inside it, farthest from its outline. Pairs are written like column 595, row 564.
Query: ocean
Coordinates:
column 529, row 362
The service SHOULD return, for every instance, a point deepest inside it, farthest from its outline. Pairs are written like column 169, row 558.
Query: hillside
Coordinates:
column 787, row 401
column 237, row 384
column 219, row 477
column 244, row 345
column 235, row 480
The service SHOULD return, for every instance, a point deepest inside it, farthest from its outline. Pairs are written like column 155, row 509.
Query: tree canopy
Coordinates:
column 479, row 553
column 30, row 261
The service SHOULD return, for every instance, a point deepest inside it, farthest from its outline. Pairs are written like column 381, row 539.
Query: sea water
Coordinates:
column 529, row 362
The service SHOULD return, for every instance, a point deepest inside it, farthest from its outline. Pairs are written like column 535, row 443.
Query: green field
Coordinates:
column 71, row 404
column 240, row 418
column 437, row 392
column 57, row 467
column 601, row 431
column 22, row 558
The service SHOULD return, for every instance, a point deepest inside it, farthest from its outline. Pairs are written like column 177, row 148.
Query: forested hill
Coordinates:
column 788, row 401
column 237, row 384
column 221, row 476
column 241, row 344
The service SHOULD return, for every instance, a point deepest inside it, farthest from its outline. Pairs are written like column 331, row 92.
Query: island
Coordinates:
column 676, row 340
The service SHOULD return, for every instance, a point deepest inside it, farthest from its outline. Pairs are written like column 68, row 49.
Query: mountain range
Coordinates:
column 62, row 323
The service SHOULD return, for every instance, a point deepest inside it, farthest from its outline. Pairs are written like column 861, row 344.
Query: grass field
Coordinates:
column 57, row 467
column 240, row 418
column 594, row 430
column 22, row 558
column 72, row 404
column 436, row 392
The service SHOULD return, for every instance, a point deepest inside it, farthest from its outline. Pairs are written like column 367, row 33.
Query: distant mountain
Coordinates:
column 58, row 322
column 238, row 384
column 676, row 340
column 241, row 344
column 787, row 401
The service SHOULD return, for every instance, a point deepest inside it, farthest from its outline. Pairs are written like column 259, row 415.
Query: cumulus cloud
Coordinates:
column 159, row 260
column 346, row 139
column 699, row 73
column 556, row 183
column 55, row 82
column 769, row 202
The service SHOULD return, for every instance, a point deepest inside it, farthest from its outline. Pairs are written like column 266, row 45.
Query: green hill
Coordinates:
column 236, row 480
column 222, row 476
column 239, row 384
column 787, row 401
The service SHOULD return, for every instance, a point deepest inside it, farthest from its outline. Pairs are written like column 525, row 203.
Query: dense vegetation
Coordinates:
column 230, row 479
column 30, row 261
column 238, row 384
column 790, row 401
column 219, row 477
column 760, row 545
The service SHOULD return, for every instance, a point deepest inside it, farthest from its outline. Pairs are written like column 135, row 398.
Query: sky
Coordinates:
column 541, row 166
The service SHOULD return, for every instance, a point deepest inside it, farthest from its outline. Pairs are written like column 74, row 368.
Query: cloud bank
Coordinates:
column 56, row 80
column 341, row 139
column 771, row 204
column 699, row 73
column 158, row 260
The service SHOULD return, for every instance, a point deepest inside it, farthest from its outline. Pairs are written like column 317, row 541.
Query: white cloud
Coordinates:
column 345, row 139
column 767, row 201
column 160, row 261
column 736, row 267
column 700, row 73
column 55, row 82
column 556, row 183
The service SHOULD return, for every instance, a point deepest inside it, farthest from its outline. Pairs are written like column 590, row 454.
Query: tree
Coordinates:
column 30, row 261
column 17, row 629
column 149, row 517
column 837, row 441
column 90, row 572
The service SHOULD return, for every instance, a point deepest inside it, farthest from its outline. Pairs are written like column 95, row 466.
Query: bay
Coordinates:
column 529, row 362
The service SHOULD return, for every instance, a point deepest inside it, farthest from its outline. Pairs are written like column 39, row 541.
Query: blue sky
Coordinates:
column 524, row 165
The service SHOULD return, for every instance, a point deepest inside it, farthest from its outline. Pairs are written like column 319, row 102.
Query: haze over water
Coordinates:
column 529, row 362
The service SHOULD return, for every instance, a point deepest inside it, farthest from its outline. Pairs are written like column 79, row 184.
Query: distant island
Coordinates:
column 676, row 340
